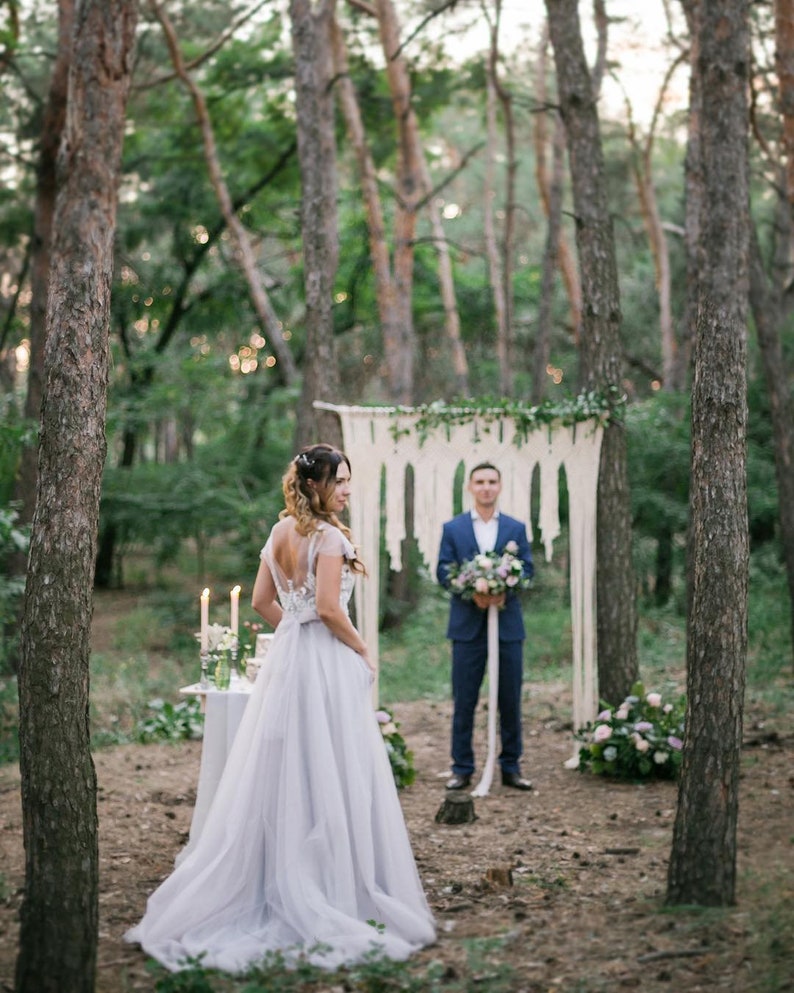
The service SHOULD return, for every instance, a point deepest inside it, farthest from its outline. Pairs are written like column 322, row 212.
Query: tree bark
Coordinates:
column 600, row 352
column 556, row 253
column 693, row 182
column 51, row 131
column 312, row 24
column 702, row 867
column 59, row 914
column 769, row 314
column 400, row 339
column 505, row 330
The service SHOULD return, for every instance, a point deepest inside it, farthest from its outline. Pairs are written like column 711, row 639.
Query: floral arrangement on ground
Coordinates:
column 489, row 573
column 640, row 739
column 400, row 756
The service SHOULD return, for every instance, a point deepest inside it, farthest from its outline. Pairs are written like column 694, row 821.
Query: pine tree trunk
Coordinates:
column 51, row 130
column 58, row 933
column 702, row 867
column 600, row 352
column 769, row 317
column 311, row 41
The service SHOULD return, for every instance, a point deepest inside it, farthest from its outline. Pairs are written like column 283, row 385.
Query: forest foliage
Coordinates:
column 200, row 424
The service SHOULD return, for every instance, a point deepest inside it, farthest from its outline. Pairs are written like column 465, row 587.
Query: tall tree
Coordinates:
column 556, row 252
column 400, row 338
column 693, row 185
column 771, row 297
column 312, row 24
column 51, row 131
column 268, row 319
column 702, row 867
column 59, row 914
column 600, row 351
column 642, row 167
column 501, row 268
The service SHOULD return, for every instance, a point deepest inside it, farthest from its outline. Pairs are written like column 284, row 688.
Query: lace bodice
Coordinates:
column 292, row 560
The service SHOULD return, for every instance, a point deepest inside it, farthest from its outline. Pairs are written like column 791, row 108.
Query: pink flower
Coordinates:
column 674, row 742
column 643, row 726
column 605, row 715
column 383, row 716
column 511, row 580
column 481, row 585
column 511, row 547
column 640, row 743
column 654, row 699
column 602, row 733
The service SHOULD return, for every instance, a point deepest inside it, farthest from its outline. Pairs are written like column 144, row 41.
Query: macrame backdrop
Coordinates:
column 375, row 452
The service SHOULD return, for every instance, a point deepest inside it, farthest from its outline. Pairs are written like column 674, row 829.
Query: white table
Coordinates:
column 223, row 710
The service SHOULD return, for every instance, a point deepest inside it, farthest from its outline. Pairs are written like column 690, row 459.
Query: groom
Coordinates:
column 484, row 529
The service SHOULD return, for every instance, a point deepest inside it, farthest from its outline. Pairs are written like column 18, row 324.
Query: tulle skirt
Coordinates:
column 305, row 849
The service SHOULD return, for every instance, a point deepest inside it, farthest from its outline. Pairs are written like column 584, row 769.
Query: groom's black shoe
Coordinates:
column 514, row 779
column 458, row 782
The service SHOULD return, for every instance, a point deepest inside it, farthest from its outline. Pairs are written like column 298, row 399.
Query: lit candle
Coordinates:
column 205, row 620
column 235, row 598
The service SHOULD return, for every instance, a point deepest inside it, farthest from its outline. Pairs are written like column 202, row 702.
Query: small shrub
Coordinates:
column 640, row 739
column 171, row 722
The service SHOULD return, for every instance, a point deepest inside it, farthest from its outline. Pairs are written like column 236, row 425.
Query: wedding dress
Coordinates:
column 305, row 848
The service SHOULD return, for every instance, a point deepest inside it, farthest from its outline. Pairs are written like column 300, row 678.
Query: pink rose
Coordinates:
column 654, row 699
column 602, row 733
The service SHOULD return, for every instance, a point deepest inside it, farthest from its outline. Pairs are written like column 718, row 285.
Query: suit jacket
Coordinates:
column 458, row 544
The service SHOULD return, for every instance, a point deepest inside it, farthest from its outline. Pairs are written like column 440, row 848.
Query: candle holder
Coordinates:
column 234, row 675
column 205, row 680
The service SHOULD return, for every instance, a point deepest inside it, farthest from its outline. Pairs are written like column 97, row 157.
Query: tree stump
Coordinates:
column 456, row 809
column 498, row 877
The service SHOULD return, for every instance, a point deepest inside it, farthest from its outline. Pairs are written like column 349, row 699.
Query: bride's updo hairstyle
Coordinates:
column 310, row 505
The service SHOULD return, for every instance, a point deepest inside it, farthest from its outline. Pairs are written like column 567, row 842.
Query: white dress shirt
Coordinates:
column 485, row 531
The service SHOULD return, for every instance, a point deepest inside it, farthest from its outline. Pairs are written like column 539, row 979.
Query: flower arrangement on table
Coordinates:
column 221, row 647
column 400, row 757
column 489, row 573
column 640, row 739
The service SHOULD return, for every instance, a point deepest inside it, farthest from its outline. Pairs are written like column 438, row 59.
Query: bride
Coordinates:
column 305, row 850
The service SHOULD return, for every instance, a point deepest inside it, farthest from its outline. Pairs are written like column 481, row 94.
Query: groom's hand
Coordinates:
column 485, row 600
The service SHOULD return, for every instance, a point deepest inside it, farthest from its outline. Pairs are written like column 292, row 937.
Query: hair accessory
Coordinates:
column 304, row 462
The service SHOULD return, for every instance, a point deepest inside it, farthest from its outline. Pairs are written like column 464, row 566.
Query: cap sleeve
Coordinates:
column 331, row 541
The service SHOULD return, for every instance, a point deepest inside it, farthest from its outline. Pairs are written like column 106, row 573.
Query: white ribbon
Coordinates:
column 484, row 785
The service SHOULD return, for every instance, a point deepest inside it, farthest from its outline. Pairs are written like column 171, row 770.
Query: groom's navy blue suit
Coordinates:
column 468, row 631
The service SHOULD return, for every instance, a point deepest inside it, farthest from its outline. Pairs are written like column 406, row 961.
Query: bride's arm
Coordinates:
column 330, row 610
column 264, row 599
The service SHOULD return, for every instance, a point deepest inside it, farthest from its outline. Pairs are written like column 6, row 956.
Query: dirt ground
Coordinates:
column 580, row 910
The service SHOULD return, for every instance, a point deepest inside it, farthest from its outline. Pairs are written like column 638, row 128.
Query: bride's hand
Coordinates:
column 365, row 655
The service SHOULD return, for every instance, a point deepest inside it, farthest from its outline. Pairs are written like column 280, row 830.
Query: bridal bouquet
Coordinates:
column 490, row 573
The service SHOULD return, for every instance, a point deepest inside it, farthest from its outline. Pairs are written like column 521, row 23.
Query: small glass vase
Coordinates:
column 222, row 672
